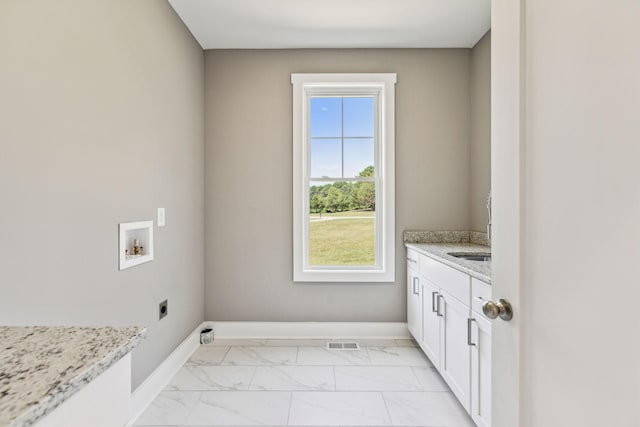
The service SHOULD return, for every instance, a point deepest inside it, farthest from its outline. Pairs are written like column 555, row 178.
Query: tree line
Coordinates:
column 344, row 196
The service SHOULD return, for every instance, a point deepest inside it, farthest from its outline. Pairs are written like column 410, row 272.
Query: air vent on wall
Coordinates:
column 343, row 346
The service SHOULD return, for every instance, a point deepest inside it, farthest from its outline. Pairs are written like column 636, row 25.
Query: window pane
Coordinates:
column 326, row 158
column 326, row 117
column 359, row 118
column 342, row 224
column 359, row 153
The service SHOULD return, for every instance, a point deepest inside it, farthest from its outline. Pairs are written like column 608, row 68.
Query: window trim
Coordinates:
column 305, row 86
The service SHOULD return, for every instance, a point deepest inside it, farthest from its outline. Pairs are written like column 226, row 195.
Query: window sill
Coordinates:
column 344, row 276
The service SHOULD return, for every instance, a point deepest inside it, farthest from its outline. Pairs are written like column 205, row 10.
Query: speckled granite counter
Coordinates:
column 481, row 270
column 41, row 367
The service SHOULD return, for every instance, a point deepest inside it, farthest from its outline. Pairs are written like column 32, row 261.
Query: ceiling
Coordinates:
column 291, row 24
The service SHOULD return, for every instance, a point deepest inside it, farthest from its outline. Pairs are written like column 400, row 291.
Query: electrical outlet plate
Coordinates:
column 163, row 309
column 161, row 217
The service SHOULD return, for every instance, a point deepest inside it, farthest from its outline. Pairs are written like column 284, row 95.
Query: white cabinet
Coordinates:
column 453, row 333
column 480, row 356
column 444, row 340
column 446, row 298
column 455, row 356
column 414, row 305
column 430, row 342
column 103, row 402
column 481, row 371
column 414, row 297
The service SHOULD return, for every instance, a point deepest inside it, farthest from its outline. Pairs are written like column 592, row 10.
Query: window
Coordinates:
column 343, row 177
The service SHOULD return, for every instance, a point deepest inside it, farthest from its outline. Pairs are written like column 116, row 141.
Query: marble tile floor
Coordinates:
column 301, row 383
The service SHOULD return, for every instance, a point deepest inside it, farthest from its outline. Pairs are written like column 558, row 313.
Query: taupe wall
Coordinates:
column 101, row 112
column 248, row 177
column 480, row 148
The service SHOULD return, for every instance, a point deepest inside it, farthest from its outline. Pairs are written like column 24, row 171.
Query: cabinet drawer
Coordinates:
column 412, row 260
column 480, row 293
column 451, row 280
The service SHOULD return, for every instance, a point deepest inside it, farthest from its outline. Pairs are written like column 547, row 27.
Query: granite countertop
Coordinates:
column 481, row 270
column 41, row 367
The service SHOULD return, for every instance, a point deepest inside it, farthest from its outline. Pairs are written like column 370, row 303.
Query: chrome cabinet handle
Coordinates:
column 433, row 302
column 469, row 322
column 411, row 260
column 415, row 282
column 438, row 309
column 500, row 309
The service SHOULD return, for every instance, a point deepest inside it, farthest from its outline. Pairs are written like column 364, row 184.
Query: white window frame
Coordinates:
column 381, row 85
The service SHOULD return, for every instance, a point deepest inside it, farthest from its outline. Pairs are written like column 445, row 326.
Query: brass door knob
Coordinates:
column 500, row 309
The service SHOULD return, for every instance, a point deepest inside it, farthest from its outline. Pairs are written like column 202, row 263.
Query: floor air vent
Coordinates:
column 343, row 346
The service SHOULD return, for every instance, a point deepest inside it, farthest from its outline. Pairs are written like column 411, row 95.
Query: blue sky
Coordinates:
column 328, row 121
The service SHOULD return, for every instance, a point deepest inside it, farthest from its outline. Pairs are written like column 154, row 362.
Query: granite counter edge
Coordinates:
column 452, row 264
column 64, row 391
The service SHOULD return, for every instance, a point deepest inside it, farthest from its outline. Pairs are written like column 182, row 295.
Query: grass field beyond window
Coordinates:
column 343, row 239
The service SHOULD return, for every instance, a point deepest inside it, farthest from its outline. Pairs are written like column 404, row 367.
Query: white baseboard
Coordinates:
column 157, row 381
column 321, row 330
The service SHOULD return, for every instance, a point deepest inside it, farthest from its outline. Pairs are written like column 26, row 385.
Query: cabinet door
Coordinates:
column 481, row 371
column 455, row 356
column 414, row 305
column 430, row 322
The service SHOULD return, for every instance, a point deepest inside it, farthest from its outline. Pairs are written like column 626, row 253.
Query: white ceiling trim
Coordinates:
column 297, row 24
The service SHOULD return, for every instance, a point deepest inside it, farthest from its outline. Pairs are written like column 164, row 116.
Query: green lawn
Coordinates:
column 343, row 241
